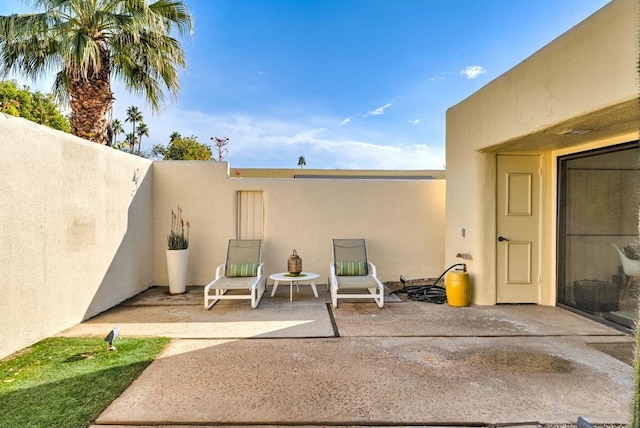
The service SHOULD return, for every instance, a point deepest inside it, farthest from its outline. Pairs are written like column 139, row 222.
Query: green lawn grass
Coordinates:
column 68, row 382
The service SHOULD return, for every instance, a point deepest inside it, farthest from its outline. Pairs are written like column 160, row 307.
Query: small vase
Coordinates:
column 177, row 270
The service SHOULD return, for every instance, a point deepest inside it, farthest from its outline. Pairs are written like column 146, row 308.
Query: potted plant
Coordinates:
column 177, row 252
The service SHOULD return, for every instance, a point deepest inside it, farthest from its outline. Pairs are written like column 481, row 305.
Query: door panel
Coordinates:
column 518, row 194
column 250, row 215
column 518, row 226
column 518, row 262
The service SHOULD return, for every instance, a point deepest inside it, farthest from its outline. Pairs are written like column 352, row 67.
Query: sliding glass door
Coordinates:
column 598, row 253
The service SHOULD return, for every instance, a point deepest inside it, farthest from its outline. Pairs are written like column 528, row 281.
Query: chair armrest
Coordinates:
column 220, row 270
column 332, row 269
column 372, row 269
column 333, row 280
column 260, row 270
column 373, row 273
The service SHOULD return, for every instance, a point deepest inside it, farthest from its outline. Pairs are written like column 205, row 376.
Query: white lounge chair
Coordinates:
column 630, row 267
column 351, row 271
column 243, row 270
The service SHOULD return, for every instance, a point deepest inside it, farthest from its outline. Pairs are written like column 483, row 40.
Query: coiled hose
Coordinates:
column 427, row 293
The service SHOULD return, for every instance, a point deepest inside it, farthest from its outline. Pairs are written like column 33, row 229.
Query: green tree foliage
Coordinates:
column 87, row 42
column 34, row 106
column 182, row 148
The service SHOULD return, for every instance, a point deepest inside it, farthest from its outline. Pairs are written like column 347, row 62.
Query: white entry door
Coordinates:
column 518, row 227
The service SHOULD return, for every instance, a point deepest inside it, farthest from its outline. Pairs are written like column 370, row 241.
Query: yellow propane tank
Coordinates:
column 458, row 288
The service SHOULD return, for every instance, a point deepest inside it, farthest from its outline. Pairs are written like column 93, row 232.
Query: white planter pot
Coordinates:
column 177, row 269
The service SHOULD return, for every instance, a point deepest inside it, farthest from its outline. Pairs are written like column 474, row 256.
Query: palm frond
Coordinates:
column 173, row 14
column 148, row 66
column 61, row 87
column 27, row 46
column 82, row 59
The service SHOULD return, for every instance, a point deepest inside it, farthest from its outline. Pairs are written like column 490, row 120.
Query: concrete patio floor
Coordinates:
column 409, row 364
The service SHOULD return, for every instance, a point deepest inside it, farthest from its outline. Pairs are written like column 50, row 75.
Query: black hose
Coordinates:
column 428, row 293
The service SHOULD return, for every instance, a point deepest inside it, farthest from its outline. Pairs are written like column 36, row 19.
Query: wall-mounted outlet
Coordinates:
column 464, row 256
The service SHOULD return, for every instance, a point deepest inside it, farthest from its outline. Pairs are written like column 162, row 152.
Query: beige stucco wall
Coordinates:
column 75, row 230
column 83, row 227
column 586, row 74
column 402, row 220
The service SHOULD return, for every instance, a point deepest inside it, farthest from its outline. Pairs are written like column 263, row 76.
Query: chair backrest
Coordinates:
column 629, row 266
column 350, row 251
column 243, row 251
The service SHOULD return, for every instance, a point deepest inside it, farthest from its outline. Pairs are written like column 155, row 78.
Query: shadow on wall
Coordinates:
column 130, row 270
column 75, row 227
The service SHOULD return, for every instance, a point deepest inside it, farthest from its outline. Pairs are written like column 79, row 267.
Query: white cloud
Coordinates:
column 378, row 111
column 414, row 122
column 362, row 155
column 440, row 76
column 344, row 122
column 257, row 140
column 307, row 137
column 473, row 71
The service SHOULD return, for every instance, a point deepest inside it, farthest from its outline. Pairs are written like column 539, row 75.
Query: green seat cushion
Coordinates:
column 351, row 269
column 242, row 269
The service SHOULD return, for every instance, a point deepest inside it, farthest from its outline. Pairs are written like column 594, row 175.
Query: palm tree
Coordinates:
column 302, row 162
column 116, row 129
column 130, row 138
column 133, row 115
column 175, row 135
column 88, row 42
column 141, row 130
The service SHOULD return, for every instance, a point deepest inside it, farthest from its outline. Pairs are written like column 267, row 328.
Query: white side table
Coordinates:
column 309, row 277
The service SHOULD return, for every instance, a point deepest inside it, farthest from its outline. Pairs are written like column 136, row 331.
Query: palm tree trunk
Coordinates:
column 133, row 137
column 91, row 99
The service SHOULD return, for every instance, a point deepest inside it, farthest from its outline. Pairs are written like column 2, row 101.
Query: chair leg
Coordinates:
column 210, row 300
column 380, row 301
column 257, row 292
column 378, row 296
column 213, row 300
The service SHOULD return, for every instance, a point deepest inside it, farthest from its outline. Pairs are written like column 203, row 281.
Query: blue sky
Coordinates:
column 350, row 84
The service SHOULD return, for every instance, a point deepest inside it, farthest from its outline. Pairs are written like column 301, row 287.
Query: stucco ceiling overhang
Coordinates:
column 619, row 119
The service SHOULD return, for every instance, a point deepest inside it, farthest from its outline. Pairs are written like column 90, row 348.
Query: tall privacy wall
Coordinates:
column 83, row 227
column 401, row 220
column 75, row 230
